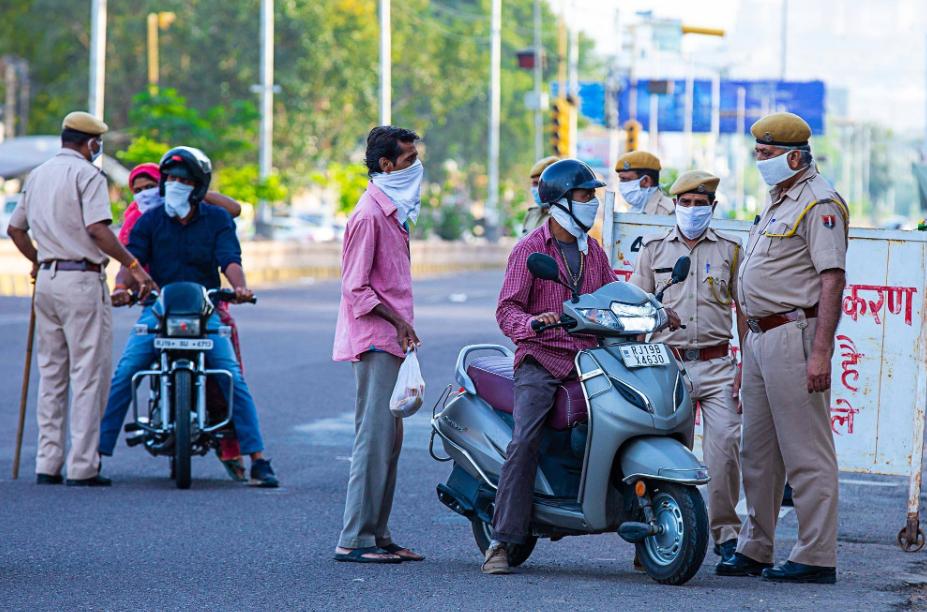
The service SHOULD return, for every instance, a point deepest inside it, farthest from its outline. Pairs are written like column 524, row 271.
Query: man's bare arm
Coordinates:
column 829, row 310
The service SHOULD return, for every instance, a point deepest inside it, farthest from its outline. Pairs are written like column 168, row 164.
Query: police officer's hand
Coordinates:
column 243, row 294
column 35, row 270
column 145, row 284
column 818, row 372
column 735, row 390
column 547, row 318
column 674, row 321
column 120, row 297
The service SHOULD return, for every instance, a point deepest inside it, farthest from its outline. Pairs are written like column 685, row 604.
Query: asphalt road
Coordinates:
column 142, row 544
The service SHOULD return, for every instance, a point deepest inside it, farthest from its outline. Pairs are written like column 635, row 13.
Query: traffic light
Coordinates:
column 562, row 111
column 632, row 129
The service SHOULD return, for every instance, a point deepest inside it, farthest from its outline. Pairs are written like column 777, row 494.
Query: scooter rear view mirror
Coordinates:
column 543, row 266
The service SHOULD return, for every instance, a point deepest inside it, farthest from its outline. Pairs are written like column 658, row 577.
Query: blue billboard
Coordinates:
column 804, row 98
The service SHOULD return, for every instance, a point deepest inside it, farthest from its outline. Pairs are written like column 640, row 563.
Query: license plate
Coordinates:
column 644, row 355
column 183, row 344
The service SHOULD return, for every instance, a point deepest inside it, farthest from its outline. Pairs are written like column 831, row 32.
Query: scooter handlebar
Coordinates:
column 565, row 322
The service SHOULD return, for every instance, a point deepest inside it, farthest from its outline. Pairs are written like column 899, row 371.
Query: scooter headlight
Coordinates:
column 601, row 317
column 184, row 327
column 641, row 319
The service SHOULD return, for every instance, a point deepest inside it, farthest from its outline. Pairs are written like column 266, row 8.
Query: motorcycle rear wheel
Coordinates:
column 675, row 556
column 518, row 553
column 183, row 401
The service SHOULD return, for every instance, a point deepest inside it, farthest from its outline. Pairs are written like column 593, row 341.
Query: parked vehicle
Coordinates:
column 615, row 454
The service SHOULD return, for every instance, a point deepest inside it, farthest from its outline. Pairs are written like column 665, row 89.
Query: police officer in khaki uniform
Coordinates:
column 790, row 288
column 703, row 303
column 639, row 183
column 538, row 213
column 66, row 206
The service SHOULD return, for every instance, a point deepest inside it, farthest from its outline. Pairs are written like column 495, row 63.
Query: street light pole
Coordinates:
column 386, row 77
column 97, row 57
column 492, row 197
column 538, row 83
column 265, row 154
column 783, row 35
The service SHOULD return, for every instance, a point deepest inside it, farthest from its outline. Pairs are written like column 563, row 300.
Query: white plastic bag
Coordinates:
column 409, row 393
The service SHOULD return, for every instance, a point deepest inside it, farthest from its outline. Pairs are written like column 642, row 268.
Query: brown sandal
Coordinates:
column 406, row 554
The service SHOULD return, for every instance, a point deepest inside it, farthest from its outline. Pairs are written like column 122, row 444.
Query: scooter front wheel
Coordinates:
column 518, row 553
column 676, row 554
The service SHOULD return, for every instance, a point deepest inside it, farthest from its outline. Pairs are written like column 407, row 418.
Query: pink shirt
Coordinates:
column 375, row 269
column 128, row 222
column 523, row 297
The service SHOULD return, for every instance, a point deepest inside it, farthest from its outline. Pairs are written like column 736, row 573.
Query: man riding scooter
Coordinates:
column 541, row 365
column 186, row 240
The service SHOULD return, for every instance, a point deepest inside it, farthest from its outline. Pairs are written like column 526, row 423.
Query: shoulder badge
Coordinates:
column 829, row 221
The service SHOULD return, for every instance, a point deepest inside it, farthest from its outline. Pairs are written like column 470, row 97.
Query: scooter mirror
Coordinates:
column 544, row 267
column 681, row 269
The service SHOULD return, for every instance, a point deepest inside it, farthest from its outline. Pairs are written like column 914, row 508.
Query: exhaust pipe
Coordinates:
column 447, row 496
column 635, row 532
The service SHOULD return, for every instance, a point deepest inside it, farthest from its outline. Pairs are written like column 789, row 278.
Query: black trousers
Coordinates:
column 535, row 389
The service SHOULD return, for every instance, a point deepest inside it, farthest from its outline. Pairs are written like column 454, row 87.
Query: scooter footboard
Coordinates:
column 661, row 458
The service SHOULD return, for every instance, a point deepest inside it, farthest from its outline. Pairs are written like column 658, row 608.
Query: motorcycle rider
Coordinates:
column 543, row 362
column 540, row 211
column 186, row 240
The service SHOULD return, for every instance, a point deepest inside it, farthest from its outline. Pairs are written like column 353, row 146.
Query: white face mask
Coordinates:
column 148, row 199
column 177, row 199
column 776, row 169
column 94, row 155
column 404, row 189
column 635, row 195
column 585, row 212
column 693, row 220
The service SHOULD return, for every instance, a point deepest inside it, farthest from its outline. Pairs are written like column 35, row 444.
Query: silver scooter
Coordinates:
column 615, row 451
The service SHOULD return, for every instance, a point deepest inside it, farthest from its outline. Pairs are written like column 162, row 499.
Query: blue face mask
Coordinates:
column 537, row 196
column 177, row 199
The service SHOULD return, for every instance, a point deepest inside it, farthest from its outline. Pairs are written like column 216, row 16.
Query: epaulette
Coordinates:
column 655, row 237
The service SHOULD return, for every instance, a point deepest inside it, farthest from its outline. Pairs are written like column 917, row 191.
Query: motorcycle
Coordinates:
column 615, row 454
column 179, row 423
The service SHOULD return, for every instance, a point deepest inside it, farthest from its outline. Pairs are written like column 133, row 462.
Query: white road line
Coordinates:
column 871, row 483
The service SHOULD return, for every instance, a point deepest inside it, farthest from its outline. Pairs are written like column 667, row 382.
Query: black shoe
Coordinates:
column 799, row 572
column 726, row 550
column 48, row 479
column 787, row 496
column 262, row 475
column 96, row 481
column 740, row 565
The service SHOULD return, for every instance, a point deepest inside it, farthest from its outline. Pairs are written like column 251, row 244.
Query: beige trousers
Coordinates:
column 787, row 433
column 712, row 386
column 74, row 333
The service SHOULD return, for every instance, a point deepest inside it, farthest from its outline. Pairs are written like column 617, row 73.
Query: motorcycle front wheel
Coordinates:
column 676, row 554
column 183, row 402
column 518, row 553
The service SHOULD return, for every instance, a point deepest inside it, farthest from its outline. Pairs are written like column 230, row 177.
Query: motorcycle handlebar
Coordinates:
column 227, row 295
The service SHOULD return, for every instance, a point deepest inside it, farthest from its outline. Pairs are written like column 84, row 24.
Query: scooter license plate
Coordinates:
column 183, row 344
column 644, row 355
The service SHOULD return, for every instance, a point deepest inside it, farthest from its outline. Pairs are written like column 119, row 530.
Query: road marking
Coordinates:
column 870, row 483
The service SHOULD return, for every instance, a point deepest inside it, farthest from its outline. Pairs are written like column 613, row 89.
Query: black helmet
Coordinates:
column 190, row 164
column 560, row 178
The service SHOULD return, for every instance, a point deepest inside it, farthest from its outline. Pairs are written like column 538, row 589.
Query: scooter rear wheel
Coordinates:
column 676, row 554
column 518, row 553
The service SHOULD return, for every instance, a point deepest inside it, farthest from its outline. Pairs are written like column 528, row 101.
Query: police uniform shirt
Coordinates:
column 60, row 199
column 659, row 204
column 704, row 300
column 801, row 233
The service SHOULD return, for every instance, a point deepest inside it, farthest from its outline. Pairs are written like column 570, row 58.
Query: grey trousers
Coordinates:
column 535, row 389
column 377, row 443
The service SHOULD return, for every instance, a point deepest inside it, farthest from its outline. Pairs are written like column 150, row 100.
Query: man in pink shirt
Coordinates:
column 374, row 331
column 543, row 361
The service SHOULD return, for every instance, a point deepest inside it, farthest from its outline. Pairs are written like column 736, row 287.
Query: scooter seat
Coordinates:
column 494, row 379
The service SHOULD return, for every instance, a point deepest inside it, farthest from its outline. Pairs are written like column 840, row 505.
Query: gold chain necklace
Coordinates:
column 578, row 279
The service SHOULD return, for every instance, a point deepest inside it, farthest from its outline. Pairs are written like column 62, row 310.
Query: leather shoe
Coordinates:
column 800, row 572
column 726, row 550
column 740, row 565
column 48, row 479
column 95, row 481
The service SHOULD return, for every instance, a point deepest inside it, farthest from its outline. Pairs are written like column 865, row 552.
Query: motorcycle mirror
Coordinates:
column 681, row 269
column 544, row 267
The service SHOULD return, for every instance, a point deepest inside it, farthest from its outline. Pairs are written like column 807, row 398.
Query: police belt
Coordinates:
column 702, row 354
column 68, row 265
column 764, row 324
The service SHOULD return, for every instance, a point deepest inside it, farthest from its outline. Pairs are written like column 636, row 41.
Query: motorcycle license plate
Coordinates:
column 645, row 355
column 183, row 344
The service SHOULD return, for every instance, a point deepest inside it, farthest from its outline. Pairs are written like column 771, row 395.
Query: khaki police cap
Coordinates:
column 84, row 122
column 781, row 129
column 695, row 181
column 637, row 160
column 541, row 165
